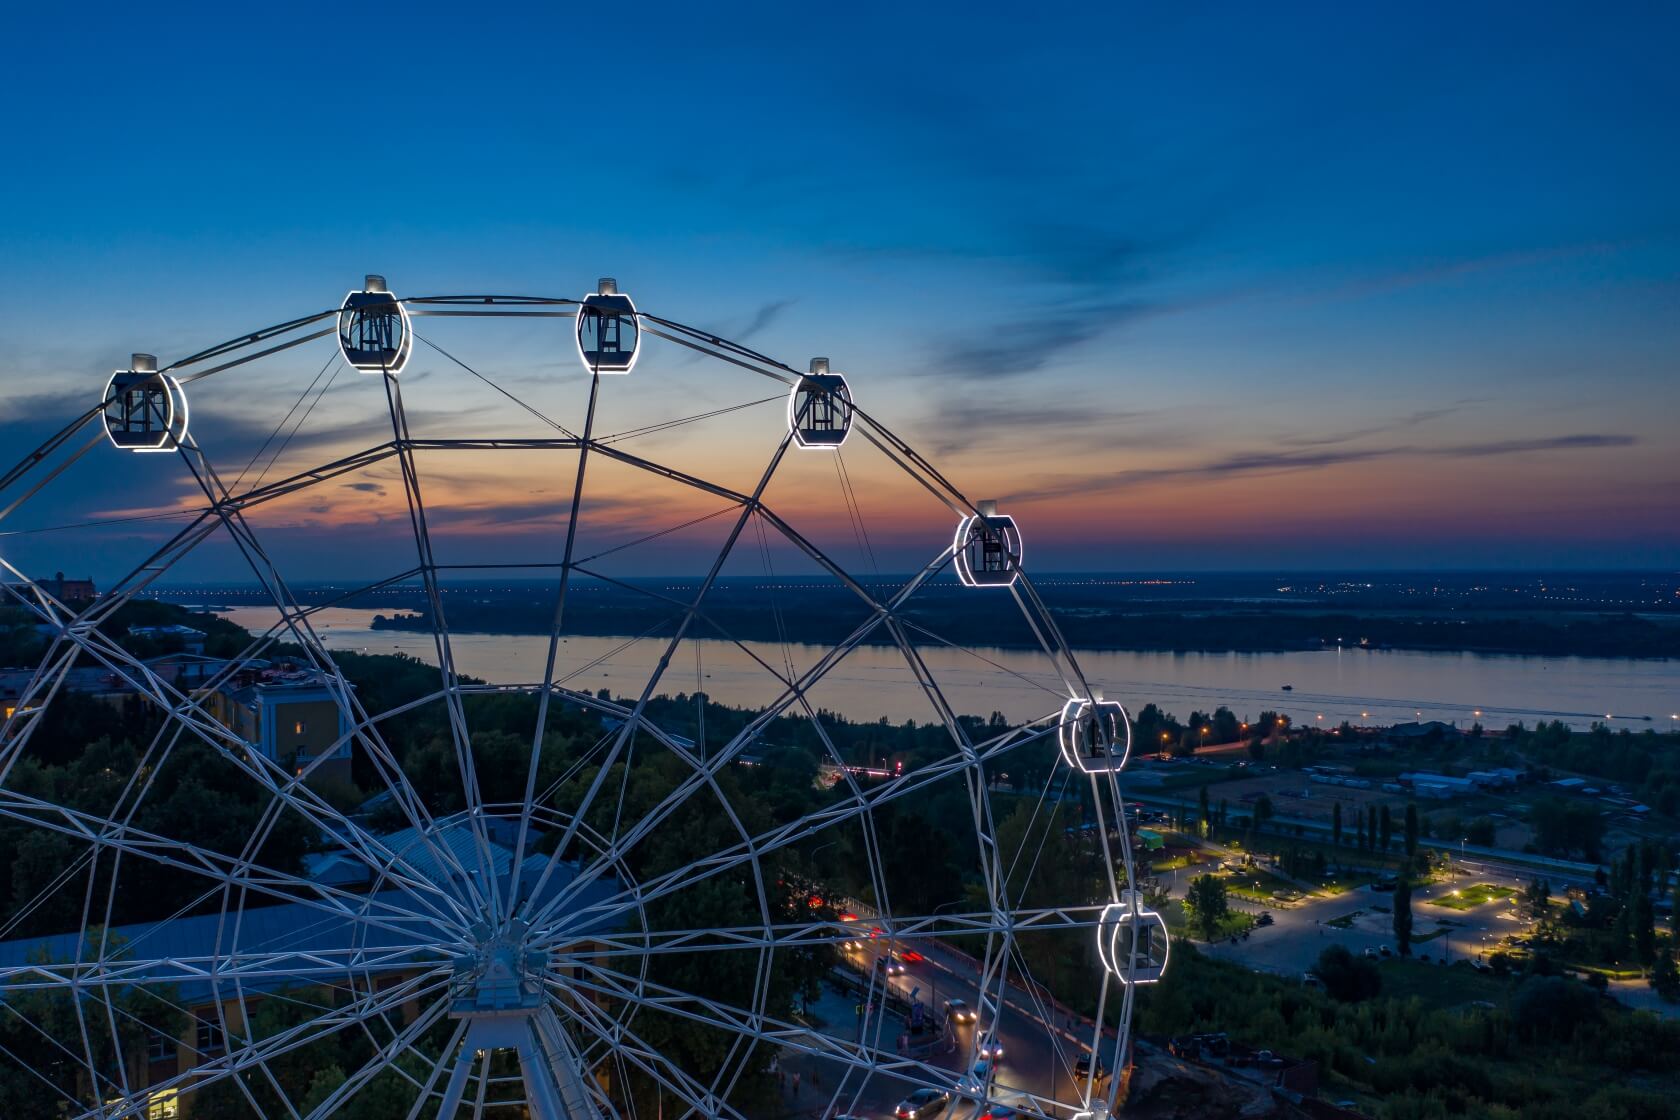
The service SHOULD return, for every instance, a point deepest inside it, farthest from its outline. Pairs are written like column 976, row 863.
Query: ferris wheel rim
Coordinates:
column 876, row 432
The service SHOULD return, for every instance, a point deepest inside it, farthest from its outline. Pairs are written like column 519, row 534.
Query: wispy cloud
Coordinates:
column 1269, row 462
column 1410, row 420
column 972, row 423
column 1031, row 342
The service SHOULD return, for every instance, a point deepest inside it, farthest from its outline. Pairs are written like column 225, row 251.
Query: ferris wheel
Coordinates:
column 553, row 894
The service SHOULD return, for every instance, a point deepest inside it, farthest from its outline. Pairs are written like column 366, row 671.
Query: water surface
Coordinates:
column 1363, row 686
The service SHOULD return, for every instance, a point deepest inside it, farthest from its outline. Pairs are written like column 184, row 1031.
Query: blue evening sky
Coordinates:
column 1192, row 286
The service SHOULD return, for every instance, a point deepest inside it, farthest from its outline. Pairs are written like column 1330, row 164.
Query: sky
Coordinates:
column 1214, row 287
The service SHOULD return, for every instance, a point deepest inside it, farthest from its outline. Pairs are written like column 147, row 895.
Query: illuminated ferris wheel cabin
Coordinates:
column 607, row 335
column 145, row 410
column 373, row 330
column 820, row 408
column 988, row 548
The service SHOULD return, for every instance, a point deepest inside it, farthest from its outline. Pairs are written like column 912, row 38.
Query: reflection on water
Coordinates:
column 1363, row 686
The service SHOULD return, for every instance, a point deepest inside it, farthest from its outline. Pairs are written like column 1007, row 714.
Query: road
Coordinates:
column 1036, row 1058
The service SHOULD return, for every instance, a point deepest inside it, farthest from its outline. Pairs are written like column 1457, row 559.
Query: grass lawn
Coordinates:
column 1256, row 884
column 1345, row 921
column 1341, row 884
column 1172, row 863
column 1468, row 898
column 1440, row 985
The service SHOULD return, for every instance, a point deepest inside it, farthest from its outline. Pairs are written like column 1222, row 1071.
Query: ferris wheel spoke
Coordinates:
column 18, row 728
column 189, row 712
column 256, row 1054
column 555, row 627
column 828, row 932
column 223, row 869
column 384, row 1058
column 774, row 1031
column 294, row 619
column 635, row 719
column 707, row 772
column 705, row 867
column 310, row 963
column 294, row 787
column 459, row 735
column 646, row 1057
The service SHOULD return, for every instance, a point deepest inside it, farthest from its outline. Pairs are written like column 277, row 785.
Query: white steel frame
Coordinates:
column 414, row 931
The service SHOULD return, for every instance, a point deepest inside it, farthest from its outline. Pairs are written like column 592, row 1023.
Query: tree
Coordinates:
column 1202, row 819
column 1403, row 913
column 1207, row 904
column 1538, row 896
column 1412, row 838
column 1665, row 978
column 1566, row 827
column 1336, row 824
column 1553, row 1009
column 1644, row 930
column 1346, row 977
column 1387, row 829
column 1262, row 811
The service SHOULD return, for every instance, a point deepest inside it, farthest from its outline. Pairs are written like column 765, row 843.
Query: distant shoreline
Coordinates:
column 1235, row 633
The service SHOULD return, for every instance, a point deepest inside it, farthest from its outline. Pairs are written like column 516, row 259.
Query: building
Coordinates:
column 289, row 715
column 1439, row 786
column 191, row 641
column 64, row 590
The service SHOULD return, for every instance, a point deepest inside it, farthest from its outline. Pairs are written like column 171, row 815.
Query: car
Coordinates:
column 1386, row 951
column 958, row 1011
column 1000, row 1112
column 989, row 1048
column 1369, row 954
column 891, row 965
column 1311, row 980
column 914, row 957
column 1082, row 1069
column 1265, row 918
column 922, row 1104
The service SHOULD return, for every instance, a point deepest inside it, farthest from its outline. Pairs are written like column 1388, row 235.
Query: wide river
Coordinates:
column 1362, row 686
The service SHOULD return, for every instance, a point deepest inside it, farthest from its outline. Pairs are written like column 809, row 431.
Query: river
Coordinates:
column 1361, row 686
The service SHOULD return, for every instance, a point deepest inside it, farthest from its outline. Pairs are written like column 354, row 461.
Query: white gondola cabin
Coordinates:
column 607, row 335
column 988, row 548
column 145, row 410
column 373, row 330
column 820, row 409
column 1122, row 923
column 1095, row 735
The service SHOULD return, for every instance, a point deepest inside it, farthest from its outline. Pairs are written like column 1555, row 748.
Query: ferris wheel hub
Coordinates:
column 502, row 975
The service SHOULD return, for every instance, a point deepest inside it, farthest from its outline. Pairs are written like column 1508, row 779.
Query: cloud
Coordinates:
column 762, row 318
column 1028, row 343
column 1412, row 420
column 966, row 424
column 741, row 331
column 366, row 487
column 1268, row 462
